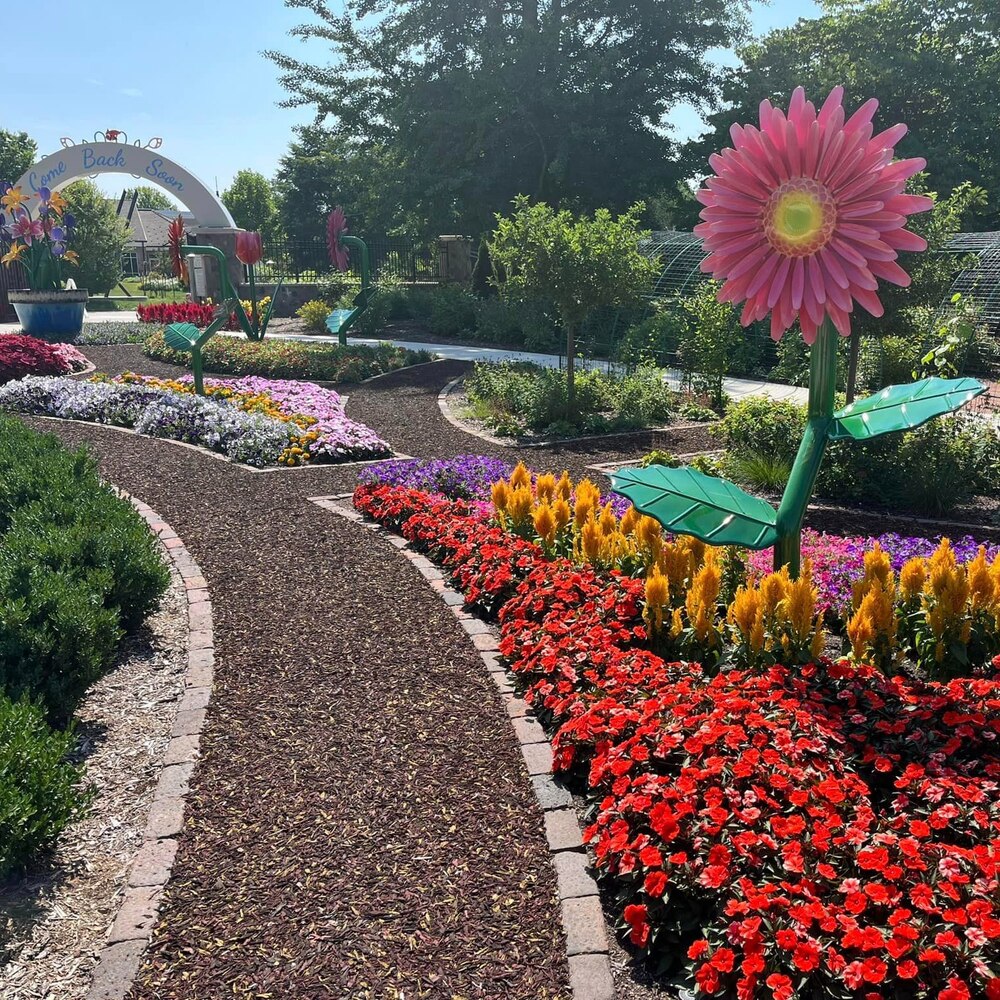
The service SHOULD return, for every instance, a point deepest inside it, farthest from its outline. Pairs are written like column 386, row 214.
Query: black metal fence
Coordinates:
column 393, row 259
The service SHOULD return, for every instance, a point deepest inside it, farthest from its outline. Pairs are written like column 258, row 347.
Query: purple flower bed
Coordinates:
column 465, row 477
column 837, row 561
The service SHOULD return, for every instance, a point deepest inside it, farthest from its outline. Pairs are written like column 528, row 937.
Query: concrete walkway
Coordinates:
column 736, row 388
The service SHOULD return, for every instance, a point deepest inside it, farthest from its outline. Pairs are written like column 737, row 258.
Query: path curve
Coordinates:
column 361, row 821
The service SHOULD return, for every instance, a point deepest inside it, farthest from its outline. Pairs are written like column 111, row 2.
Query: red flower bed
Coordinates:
column 165, row 313
column 22, row 355
column 823, row 831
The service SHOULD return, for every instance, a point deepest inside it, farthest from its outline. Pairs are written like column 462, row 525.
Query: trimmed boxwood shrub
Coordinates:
column 290, row 358
column 78, row 570
column 40, row 791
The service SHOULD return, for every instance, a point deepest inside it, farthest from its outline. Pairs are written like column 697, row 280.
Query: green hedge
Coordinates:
column 79, row 568
column 40, row 791
column 930, row 470
column 290, row 358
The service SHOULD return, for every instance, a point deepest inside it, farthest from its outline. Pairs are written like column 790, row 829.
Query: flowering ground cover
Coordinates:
column 774, row 830
column 259, row 422
column 22, row 355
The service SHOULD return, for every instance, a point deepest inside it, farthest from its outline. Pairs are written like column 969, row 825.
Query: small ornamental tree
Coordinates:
column 577, row 263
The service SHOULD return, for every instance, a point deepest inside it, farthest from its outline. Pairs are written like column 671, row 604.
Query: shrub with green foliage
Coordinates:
column 314, row 315
column 290, row 358
column 40, row 791
column 929, row 470
column 762, row 426
column 518, row 397
column 452, row 311
column 78, row 570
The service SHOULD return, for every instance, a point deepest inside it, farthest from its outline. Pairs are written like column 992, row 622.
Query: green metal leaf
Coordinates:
column 902, row 407
column 338, row 319
column 688, row 502
column 181, row 336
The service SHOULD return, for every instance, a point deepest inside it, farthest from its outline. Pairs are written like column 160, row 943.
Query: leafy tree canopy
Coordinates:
column 321, row 171
column 100, row 238
column 467, row 103
column 251, row 202
column 933, row 64
column 577, row 263
column 18, row 151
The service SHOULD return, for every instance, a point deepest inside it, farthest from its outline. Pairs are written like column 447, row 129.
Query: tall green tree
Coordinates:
column 480, row 100
column 251, row 202
column 18, row 151
column 100, row 238
column 321, row 171
column 578, row 264
column 933, row 64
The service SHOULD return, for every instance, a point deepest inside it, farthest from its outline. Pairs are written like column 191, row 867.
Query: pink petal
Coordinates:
column 869, row 301
column 903, row 239
column 798, row 282
column 778, row 282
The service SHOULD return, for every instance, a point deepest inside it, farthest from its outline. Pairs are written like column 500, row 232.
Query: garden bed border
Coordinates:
column 585, row 929
column 130, row 931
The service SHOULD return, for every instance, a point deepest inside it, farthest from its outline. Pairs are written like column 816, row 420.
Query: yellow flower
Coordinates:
column 520, row 505
column 14, row 198
column 520, row 477
column 565, row 486
column 500, row 493
column 72, row 256
column 912, row 577
column 545, row 523
column 657, row 598
column 545, row 487
column 14, row 254
column 562, row 513
column 590, row 540
column 58, row 202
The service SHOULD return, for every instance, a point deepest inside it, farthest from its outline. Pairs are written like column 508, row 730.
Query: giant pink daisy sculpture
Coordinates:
column 805, row 214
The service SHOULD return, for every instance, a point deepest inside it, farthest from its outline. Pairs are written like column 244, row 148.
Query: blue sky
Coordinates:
column 190, row 71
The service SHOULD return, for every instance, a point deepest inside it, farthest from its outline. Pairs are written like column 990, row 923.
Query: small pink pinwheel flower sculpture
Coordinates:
column 806, row 213
column 336, row 227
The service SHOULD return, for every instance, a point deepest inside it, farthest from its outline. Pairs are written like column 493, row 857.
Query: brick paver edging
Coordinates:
column 130, row 931
column 582, row 917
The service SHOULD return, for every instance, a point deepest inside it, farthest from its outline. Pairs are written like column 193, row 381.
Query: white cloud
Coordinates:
column 131, row 92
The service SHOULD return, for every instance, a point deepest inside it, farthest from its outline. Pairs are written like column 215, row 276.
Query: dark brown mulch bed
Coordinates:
column 361, row 823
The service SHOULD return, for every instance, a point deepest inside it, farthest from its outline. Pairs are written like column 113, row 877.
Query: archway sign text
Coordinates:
column 148, row 165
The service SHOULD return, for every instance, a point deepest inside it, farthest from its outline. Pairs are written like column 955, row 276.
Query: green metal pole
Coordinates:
column 366, row 275
column 798, row 492
column 196, row 369
column 254, row 318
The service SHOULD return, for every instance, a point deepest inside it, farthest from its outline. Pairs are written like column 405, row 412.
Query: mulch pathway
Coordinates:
column 361, row 823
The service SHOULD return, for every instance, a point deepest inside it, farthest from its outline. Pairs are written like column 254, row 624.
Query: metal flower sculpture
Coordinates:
column 250, row 252
column 336, row 228
column 39, row 243
column 802, row 219
column 807, row 212
column 337, row 241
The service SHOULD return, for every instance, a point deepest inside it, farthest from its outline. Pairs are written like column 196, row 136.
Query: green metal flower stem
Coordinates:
column 254, row 318
column 819, row 414
column 366, row 278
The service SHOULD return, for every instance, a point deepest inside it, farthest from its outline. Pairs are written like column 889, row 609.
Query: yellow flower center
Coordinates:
column 800, row 217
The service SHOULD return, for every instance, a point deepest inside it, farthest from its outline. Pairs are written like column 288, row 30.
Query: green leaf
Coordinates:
column 181, row 336
column 902, row 407
column 686, row 501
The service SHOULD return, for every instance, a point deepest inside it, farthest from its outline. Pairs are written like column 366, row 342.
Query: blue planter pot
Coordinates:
column 52, row 316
